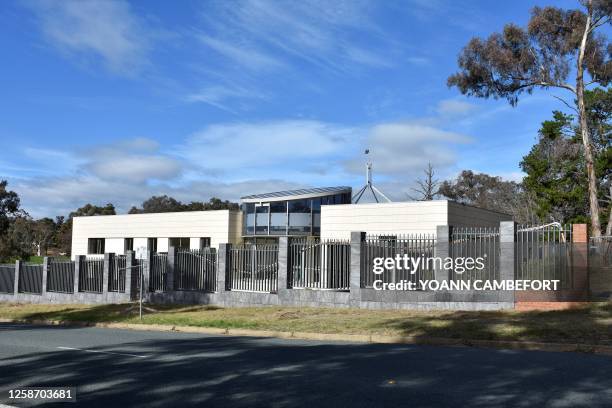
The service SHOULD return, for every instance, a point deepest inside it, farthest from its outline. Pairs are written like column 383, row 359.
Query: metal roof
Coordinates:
column 296, row 194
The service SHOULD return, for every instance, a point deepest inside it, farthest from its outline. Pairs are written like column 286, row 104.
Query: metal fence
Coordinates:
column 600, row 252
column 253, row 268
column 116, row 273
column 315, row 264
column 411, row 246
column 475, row 252
column 544, row 252
column 158, row 271
column 60, row 276
column 7, row 278
column 30, row 278
column 91, row 273
column 138, row 271
column 196, row 269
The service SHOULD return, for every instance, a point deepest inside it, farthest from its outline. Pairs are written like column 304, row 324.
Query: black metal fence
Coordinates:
column 253, row 268
column 544, row 252
column 91, row 273
column 60, row 276
column 416, row 248
column 139, row 269
column 116, row 273
column 196, row 269
column 315, row 264
column 30, row 278
column 7, row 278
column 475, row 253
column 158, row 271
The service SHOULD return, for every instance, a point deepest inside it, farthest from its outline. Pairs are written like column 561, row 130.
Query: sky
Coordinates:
column 115, row 101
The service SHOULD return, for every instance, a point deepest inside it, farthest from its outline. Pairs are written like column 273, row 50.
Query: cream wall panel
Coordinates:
column 140, row 243
column 162, row 244
column 114, row 245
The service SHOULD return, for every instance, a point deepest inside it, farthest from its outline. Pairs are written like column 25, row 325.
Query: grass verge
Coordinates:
column 591, row 325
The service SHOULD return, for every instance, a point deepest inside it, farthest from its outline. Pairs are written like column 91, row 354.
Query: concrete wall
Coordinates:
column 411, row 217
column 221, row 226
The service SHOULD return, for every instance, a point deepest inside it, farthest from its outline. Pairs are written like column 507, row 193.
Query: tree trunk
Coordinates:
column 584, row 130
column 609, row 226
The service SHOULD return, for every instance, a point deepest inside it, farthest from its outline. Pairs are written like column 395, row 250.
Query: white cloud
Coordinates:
column 106, row 29
column 218, row 95
column 454, row 107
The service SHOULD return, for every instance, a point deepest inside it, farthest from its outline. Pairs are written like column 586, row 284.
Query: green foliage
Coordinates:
column 160, row 204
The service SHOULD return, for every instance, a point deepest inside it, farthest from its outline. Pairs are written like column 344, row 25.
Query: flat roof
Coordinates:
column 295, row 194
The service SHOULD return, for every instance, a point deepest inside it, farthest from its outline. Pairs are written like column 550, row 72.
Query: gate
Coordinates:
column 316, row 264
column 253, row 268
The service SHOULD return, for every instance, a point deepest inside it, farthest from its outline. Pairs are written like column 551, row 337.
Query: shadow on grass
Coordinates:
column 590, row 324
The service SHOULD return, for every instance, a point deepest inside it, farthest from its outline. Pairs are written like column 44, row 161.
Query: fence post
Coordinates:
column 580, row 257
column 357, row 239
column 108, row 258
column 17, row 273
column 129, row 264
column 78, row 264
column 146, row 271
column 507, row 248
column 45, row 273
column 222, row 266
column 283, row 265
column 170, row 271
column 442, row 251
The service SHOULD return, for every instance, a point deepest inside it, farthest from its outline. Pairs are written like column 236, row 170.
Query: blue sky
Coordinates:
column 115, row 101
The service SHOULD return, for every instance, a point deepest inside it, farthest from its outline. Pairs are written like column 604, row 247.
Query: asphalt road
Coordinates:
column 122, row 368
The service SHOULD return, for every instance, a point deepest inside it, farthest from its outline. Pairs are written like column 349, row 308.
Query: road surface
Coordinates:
column 126, row 368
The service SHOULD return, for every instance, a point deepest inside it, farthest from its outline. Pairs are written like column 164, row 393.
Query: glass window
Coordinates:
column 248, row 210
column 262, row 219
column 300, row 217
column 180, row 242
column 128, row 244
column 204, row 242
column 278, row 218
column 152, row 244
column 316, row 215
column 95, row 246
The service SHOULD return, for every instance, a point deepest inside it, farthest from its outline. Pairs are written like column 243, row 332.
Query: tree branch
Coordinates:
column 566, row 104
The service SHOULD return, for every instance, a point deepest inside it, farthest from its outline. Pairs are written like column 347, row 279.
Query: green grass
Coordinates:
column 591, row 324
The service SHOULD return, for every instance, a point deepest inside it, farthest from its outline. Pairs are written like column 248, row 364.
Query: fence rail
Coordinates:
column 30, row 278
column 196, row 270
column 481, row 245
column 544, row 252
column 60, row 276
column 253, row 268
column 413, row 246
column 91, row 274
column 315, row 264
column 7, row 278
column 158, row 271
column 117, row 273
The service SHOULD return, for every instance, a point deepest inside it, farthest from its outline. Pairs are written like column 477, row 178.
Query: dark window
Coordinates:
column 128, row 244
column 316, row 215
column 180, row 242
column 95, row 246
column 278, row 218
column 204, row 242
column 300, row 217
column 249, row 218
column 152, row 244
column 262, row 219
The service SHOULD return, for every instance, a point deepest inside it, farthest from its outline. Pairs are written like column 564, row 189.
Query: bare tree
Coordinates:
column 428, row 186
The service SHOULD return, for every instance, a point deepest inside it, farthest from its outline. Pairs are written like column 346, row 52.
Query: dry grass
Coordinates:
column 587, row 325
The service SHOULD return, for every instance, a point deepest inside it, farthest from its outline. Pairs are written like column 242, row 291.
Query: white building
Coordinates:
column 265, row 217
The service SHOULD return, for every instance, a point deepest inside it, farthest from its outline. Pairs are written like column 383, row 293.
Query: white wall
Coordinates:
column 221, row 226
column 411, row 217
column 337, row 221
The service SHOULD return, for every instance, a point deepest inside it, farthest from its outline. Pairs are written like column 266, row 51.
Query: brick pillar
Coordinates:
column 78, row 264
column 442, row 250
column 580, row 260
column 16, row 280
column 130, row 262
column 170, row 269
column 283, row 265
column 222, row 266
column 507, row 248
column 45, row 273
column 357, row 239
column 108, row 258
